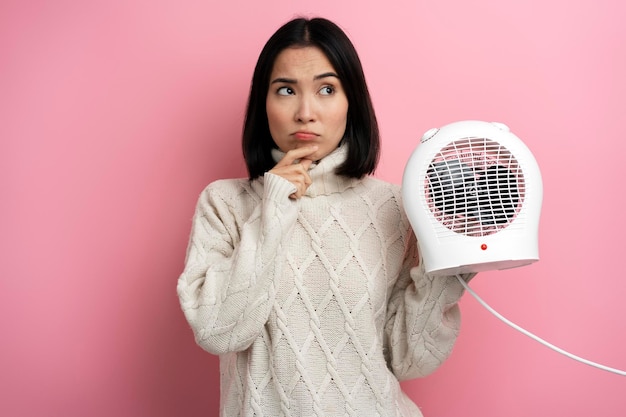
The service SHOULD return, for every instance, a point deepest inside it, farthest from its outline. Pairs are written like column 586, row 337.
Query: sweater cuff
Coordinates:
column 277, row 188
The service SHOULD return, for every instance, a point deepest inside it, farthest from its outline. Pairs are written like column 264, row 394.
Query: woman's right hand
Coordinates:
column 294, row 168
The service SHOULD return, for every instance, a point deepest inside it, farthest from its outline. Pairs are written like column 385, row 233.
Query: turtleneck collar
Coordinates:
column 322, row 173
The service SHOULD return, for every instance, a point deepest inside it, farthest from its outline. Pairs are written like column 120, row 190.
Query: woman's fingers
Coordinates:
column 295, row 154
column 296, row 174
column 294, row 168
column 306, row 164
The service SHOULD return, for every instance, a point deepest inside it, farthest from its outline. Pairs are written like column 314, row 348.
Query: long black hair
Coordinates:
column 361, row 135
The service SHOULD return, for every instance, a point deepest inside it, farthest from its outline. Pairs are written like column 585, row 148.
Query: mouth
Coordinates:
column 304, row 135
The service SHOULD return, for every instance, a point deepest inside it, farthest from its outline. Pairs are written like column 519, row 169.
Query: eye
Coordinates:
column 327, row 90
column 285, row 91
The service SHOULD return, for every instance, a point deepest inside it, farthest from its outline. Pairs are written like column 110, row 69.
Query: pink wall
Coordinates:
column 114, row 115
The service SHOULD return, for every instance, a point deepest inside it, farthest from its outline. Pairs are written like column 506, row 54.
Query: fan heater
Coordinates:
column 472, row 192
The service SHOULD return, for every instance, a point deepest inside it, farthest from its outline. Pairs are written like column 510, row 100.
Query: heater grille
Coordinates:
column 474, row 186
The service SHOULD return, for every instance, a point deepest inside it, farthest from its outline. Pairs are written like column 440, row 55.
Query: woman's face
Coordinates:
column 306, row 104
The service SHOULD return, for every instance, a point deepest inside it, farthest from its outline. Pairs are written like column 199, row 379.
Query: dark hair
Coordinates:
column 361, row 135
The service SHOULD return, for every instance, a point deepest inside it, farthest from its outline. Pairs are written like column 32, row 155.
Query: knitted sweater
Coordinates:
column 315, row 306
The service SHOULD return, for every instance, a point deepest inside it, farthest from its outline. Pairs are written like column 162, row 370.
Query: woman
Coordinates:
column 305, row 277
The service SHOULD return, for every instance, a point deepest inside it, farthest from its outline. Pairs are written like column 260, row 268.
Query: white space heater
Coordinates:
column 472, row 192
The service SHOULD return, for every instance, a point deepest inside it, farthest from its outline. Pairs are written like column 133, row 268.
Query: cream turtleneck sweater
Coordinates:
column 315, row 306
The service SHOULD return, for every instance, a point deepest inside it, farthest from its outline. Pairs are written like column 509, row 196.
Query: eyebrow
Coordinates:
column 294, row 81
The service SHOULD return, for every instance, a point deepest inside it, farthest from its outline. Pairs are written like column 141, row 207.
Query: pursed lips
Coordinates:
column 304, row 135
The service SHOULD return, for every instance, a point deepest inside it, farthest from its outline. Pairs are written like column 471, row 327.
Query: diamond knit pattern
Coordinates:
column 316, row 306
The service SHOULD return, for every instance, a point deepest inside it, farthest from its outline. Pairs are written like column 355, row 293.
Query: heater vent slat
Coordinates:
column 474, row 186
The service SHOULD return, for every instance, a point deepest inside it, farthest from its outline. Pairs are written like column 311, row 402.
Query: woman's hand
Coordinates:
column 294, row 168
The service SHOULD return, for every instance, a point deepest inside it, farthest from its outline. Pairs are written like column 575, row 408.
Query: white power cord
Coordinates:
column 532, row 336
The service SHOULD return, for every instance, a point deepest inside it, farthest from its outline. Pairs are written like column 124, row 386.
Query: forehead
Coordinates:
column 303, row 61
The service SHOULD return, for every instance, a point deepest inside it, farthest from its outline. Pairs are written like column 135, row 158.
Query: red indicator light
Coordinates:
column 483, row 246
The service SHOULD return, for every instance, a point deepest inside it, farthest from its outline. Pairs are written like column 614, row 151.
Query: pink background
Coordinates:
column 115, row 114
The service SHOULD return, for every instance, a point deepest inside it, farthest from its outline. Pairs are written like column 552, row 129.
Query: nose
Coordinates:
column 305, row 112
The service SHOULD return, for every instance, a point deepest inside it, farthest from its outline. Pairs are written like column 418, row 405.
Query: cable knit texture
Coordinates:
column 315, row 306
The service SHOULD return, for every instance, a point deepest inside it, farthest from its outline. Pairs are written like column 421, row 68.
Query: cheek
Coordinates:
column 269, row 112
column 277, row 126
column 341, row 119
column 275, row 117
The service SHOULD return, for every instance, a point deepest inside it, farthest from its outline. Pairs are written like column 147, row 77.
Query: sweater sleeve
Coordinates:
column 228, row 284
column 423, row 318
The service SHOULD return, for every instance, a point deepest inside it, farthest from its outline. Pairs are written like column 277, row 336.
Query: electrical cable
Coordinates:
column 536, row 338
